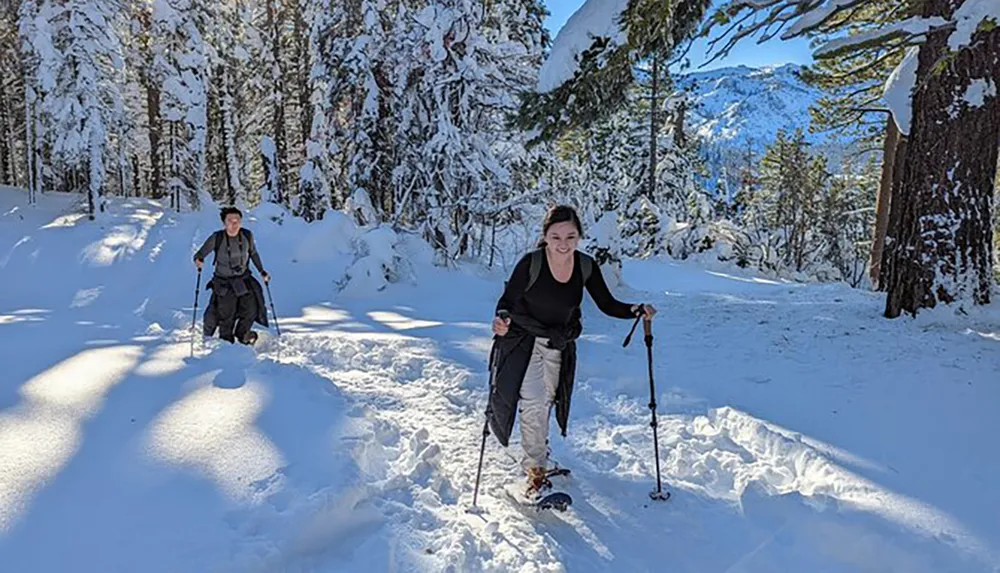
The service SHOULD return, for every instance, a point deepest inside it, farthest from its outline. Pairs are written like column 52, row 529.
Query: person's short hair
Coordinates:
column 226, row 211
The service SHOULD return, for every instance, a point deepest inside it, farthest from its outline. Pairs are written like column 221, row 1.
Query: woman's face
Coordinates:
column 562, row 238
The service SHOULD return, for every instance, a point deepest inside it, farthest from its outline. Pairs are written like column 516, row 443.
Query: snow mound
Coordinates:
column 326, row 239
column 273, row 212
column 377, row 265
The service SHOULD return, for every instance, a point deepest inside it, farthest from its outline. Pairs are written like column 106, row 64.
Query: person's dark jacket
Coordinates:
column 512, row 353
column 510, row 358
column 241, row 285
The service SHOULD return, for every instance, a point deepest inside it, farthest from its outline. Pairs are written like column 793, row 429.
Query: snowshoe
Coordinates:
column 557, row 471
column 538, row 492
column 557, row 500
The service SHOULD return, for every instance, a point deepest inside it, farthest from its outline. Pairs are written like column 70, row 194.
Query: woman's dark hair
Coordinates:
column 560, row 214
column 226, row 211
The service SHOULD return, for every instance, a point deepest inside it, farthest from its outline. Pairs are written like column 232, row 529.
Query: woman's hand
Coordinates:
column 646, row 310
column 501, row 326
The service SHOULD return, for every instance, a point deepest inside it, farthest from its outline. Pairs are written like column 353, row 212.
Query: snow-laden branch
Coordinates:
column 910, row 30
column 806, row 16
column 595, row 21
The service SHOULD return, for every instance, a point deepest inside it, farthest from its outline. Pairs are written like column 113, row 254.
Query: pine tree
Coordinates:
column 938, row 248
column 314, row 187
column 370, row 70
column 653, row 31
column 39, row 55
column 846, row 217
column 85, row 103
column 853, row 80
column 229, row 62
column 275, row 146
column 450, row 128
column 181, row 69
column 791, row 183
column 143, row 100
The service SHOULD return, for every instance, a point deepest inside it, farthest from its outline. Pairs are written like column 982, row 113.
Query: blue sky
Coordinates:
column 747, row 52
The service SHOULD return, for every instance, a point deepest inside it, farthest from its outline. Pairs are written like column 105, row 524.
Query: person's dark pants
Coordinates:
column 235, row 314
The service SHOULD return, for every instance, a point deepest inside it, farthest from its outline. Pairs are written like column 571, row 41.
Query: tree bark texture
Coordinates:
column 944, row 249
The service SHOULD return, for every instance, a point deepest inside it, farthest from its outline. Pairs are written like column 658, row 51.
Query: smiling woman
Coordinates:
column 538, row 321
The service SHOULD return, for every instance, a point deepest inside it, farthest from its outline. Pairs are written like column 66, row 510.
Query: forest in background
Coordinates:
column 426, row 116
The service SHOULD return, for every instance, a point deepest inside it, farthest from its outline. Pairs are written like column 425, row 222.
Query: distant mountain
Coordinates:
column 740, row 108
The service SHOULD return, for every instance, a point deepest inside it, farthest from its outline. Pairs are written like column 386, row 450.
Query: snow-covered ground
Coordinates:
column 799, row 431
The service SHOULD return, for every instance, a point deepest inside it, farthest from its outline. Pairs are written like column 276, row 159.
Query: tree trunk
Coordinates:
column 6, row 132
column 680, row 139
column 303, row 73
column 29, row 144
column 230, row 154
column 278, row 99
column 382, row 175
column 156, row 186
column 136, row 177
column 882, row 203
column 175, row 190
column 893, row 229
column 652, row 130
column 944, row 251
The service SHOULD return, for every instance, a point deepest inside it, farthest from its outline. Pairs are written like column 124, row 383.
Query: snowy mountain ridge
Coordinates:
column 740, row 105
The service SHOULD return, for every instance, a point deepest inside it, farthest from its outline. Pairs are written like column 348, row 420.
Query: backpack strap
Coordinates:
column 218, row 243
column 586, row 267
column 535, row 269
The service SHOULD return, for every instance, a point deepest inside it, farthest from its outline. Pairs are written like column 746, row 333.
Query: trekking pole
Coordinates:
column 503, row 315
column 647, row 326
column 659, row 494
column 194, row 315
column 271, row 301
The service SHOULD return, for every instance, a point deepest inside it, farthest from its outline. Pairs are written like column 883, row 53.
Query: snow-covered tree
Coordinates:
column 369, row 65
column 84, row 104
column 789, row 197
column 313, row 197
column 180, row 66
column 604, row 243
column 229, row 63
column 450, row 114
column 39, row 54
column 846, row 217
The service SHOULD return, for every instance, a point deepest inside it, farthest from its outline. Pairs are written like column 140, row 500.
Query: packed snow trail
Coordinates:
column 798, row 430
column 421, row 369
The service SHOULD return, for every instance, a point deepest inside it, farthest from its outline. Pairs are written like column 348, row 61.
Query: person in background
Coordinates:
column 237, row 298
